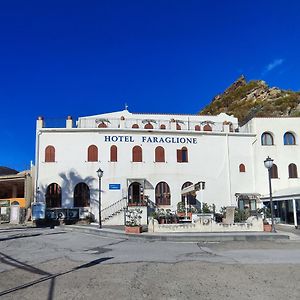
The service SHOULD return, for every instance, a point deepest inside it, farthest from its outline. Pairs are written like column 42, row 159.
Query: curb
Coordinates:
column 182, row 237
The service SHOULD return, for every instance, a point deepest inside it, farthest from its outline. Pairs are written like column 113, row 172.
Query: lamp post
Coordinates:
column 100, row 174
column 269, row 164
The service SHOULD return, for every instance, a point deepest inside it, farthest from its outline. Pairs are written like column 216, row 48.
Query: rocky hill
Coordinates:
column 255, row 98
column 7, row 171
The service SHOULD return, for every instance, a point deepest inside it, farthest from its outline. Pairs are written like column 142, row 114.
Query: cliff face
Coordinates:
column 255, row 98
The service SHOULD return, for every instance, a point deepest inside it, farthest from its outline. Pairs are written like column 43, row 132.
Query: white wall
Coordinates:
column 282, row 154
column 215, row 159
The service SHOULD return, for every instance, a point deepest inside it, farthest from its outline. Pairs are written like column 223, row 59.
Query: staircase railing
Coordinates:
column 114, row 209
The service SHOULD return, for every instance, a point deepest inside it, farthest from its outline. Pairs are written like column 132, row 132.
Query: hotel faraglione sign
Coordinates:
column 150, row 139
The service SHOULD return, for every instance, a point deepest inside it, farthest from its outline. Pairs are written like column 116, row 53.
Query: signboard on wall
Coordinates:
column 4, row 203
column 114, row 186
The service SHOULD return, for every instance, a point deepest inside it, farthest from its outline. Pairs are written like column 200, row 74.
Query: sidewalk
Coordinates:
column 284, row 232
column 290, row 230
column 118, row 232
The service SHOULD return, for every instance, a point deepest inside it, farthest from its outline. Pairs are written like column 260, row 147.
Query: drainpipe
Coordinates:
column 229, row 171
column 40, row 125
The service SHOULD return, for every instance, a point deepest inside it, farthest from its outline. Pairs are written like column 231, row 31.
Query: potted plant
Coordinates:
column 266, row 213
column 181, row 211
column 267, row 226
column 161, row 216
column 133, row 220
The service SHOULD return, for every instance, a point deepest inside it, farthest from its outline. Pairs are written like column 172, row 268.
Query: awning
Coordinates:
column 283, row 194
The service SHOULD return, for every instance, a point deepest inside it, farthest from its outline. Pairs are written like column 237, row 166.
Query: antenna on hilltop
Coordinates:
column 126, row 106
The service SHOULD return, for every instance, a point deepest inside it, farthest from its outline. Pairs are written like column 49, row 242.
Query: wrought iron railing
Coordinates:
column 114, row 209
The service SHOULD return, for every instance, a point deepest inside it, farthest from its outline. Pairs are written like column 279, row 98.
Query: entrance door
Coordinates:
column 135, row 194
column 15, row 213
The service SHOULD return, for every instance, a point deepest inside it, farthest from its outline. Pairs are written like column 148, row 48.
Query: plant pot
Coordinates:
column 182, row 215
column 133, row 229
column 268, row 227
column 161, row 220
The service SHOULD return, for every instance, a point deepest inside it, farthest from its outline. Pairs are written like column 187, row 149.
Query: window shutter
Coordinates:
column 102, row 125
column 184, row 154
column 159, row 154
column 179, row 155
column 242, row 168
column 293, row 171
column 207, row 127
column 274, row 171
column 148, row 126
column 50, row 154
column 113, row 153
column 93, row 153
column 137, row 154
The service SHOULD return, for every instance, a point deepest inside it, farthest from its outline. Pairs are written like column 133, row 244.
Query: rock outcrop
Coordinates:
column 255, row 98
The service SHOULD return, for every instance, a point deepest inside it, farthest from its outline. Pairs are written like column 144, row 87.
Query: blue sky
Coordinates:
column 78, row 58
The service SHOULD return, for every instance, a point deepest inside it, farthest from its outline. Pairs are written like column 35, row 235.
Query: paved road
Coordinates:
column 54, row 264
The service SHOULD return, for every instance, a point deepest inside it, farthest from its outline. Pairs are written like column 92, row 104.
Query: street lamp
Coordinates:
column 269, row 164
column 100, row 174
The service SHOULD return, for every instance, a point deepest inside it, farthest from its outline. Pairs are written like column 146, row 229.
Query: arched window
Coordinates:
column 178, row 127
column 182, row 155
column 159, row 154
column 53, row 196
column 135, row 126
column 207, row 127
column 50, row 154
column 242, row 168
column 162, row 194
column 93, row 153
column 81, row 195
column 162, row 126
column 289, row 139
column 137, row 154
column 113, row 153
column 274, row 171
column 197, row 128
column 267, row 139
column 148, row 126
column 293, row 171
column 191, row 199
column 102, row 125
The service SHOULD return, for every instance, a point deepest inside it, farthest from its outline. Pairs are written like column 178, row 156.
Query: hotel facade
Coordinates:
column 147, row 159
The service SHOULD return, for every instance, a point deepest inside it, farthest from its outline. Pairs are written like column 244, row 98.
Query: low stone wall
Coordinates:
column 207, row 225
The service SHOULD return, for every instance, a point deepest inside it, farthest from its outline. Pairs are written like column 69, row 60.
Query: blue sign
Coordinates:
column 114, row 186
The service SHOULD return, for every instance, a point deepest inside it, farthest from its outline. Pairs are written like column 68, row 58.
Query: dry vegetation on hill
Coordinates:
column 255, row 98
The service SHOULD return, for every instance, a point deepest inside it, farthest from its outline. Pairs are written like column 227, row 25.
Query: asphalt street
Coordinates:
column 43, row 263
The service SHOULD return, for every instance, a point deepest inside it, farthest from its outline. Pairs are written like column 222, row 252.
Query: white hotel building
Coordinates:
column 147, row 159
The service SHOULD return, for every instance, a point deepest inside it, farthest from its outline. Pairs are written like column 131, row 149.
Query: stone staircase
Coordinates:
column 115, row 212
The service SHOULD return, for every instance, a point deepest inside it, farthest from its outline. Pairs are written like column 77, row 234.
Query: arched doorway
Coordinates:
column 162, row 194
column 191, row 199
column 81, row 195
column 135, row 194
column 53, row 196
